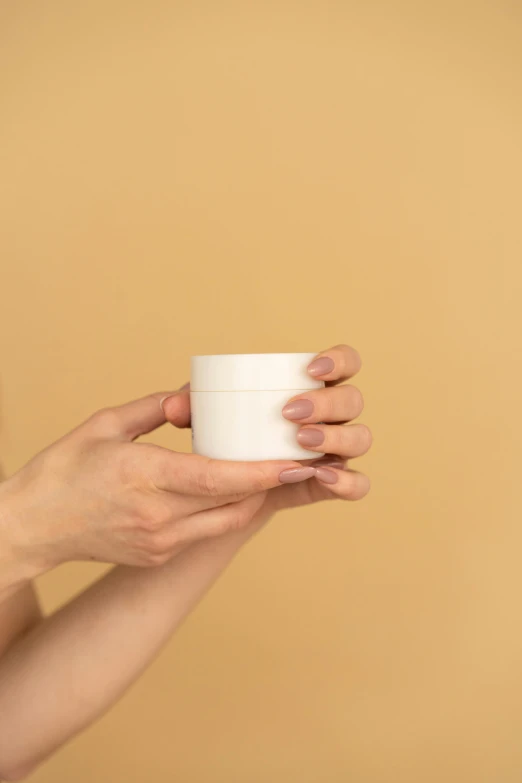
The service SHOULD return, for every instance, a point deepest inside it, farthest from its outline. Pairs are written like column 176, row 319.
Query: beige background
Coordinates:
column 184, row 177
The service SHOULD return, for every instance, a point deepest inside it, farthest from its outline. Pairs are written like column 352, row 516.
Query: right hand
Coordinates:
column 97, row 495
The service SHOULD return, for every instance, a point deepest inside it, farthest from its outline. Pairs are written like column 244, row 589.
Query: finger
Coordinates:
column 330, row 460
column 213, row 481
column 215, row 522
column 345, row 484
column 130, row 420
column 334, row 404
column 177, row 407
column 335, row 365
column 351, row 441
column 309, row 491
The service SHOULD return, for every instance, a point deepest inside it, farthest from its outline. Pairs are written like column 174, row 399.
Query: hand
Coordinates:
column 334, row 405
column 96, row 494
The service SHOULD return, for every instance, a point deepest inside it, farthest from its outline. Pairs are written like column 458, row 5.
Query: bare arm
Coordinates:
column 19, row 612
column 19, row 609
column 71, row 667
column 97, row 495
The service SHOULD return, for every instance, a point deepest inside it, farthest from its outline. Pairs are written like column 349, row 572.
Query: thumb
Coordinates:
column 132, row 419
column 177, row 407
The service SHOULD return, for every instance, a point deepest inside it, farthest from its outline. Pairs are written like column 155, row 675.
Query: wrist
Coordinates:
column 16, row 567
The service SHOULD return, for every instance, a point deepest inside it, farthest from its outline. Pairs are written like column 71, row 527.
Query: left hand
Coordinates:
column 334, row 406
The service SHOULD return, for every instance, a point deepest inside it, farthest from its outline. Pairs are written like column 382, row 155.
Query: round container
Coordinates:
column 236, row 402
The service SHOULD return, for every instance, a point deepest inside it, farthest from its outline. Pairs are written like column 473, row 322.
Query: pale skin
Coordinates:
column 170, row 523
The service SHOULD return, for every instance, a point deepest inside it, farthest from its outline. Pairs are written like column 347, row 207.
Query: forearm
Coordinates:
column 19, row 612
column 77, row 663
column 15, row 570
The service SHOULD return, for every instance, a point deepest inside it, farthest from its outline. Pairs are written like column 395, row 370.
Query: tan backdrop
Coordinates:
column 187, row 177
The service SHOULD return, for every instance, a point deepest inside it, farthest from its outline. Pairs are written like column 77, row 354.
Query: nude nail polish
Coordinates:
column 322, row 366
column 326, row 476
column 293, row 475
column 298, row 409
column 310, row 437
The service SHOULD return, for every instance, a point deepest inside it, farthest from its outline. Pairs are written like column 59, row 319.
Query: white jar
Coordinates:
column 236, row 405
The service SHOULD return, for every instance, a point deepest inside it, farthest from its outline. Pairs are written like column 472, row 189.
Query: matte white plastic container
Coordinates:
column 236, row 402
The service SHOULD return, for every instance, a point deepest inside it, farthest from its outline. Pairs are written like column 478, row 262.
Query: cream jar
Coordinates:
column 236, row 405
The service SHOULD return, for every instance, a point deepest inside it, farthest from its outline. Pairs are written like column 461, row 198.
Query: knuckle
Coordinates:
column 106, row 421
column 155, row 518
column 208, row 483
column 236, row 518
column 327, row 406
column 221, row 527
column 156, row 559
column 158, row 546
column 149, row 524
column 154, row 547
column 259, row 480
column 239, row 518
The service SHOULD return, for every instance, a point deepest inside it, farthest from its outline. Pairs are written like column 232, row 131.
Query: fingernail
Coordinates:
column 326, row 476
column 322, row 366
column 330, row 462
column 310, row 437
column 293, row 475
column 168, row 396
column 299, row 409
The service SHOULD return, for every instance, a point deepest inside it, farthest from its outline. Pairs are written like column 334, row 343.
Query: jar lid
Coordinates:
column 253, row 372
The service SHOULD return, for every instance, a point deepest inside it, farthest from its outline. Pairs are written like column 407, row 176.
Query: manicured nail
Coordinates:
column 330, row 462
column 310, row 437
column 326, row 476
column 293, row 475
column 298, row 409
column 322, row 366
